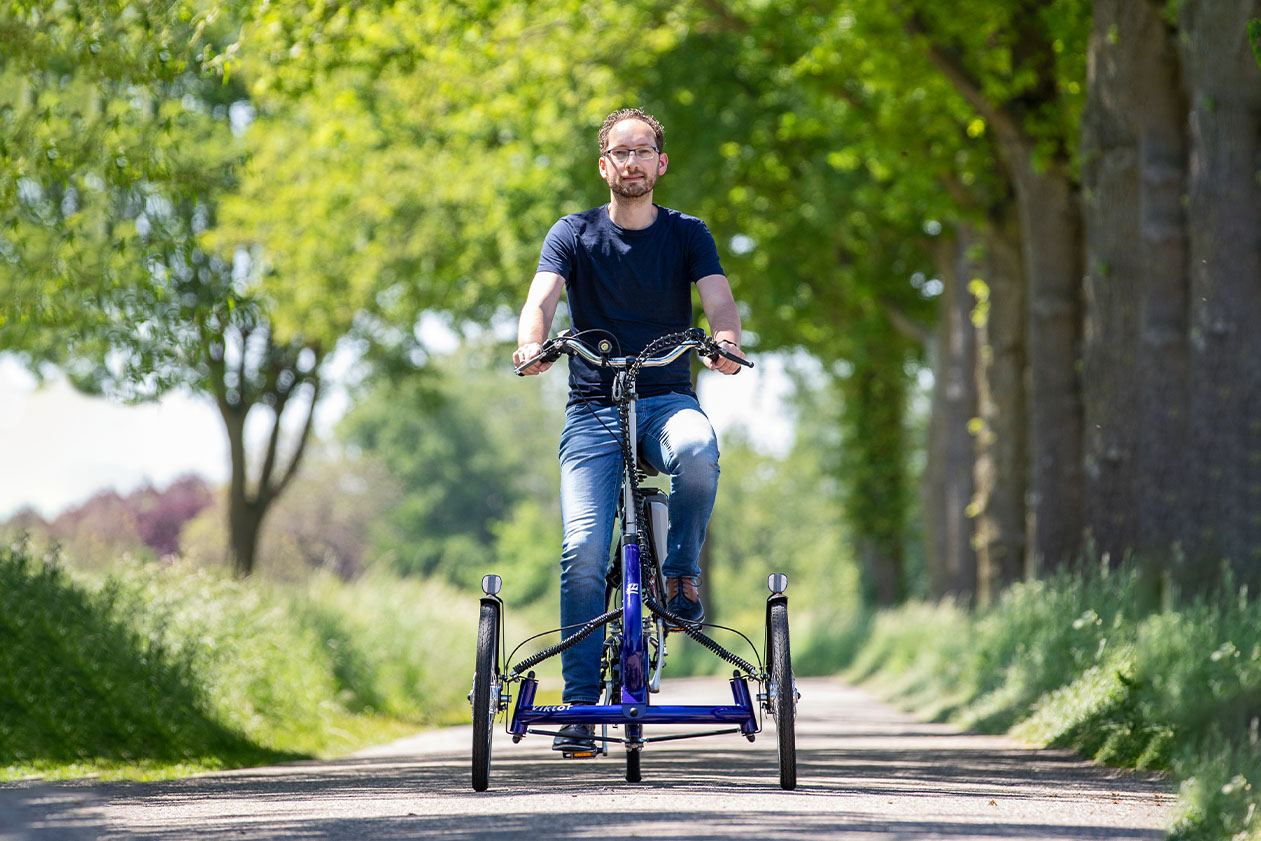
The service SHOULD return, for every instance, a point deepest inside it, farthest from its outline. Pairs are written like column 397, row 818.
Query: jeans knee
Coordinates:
column 582, row 567
column 698, row 463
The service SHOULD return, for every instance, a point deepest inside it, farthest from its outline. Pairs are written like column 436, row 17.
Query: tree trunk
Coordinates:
column 1110, row 181
column 245, row 521
column 1224, row 192
column 1051, row 234
column 246, row 509
column 1160, row 114
column 948, row 475
column 1002, row 443
column 1050, row 225
column 245, row 517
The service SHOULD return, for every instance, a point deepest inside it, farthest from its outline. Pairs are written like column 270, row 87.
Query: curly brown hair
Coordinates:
column 631, row 114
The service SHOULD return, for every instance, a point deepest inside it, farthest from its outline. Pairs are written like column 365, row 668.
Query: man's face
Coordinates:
column 634, row 177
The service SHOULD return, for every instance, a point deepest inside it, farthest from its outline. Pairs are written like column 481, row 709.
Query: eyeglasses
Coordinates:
column 642, row 153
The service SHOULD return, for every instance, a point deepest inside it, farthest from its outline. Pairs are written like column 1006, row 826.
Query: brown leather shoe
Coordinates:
column 683, row 598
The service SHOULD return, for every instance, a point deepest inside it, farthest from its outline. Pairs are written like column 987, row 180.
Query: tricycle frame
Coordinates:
column 627, row 701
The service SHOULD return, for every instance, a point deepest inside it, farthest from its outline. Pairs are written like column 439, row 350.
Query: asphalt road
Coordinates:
column 865, row 772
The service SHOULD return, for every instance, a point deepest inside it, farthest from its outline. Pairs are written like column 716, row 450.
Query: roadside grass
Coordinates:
column 1095, row 662
column 159, row 670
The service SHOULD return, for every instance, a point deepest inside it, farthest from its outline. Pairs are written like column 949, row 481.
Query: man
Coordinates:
column 628, row 268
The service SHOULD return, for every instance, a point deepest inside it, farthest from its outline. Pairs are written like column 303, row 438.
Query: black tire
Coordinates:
column 633, row 733
column 485, row 695
column 785, row 706
column 632, row 766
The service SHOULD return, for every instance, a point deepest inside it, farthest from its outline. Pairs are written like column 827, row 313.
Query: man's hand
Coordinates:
column 721, row 364
column 527, row 352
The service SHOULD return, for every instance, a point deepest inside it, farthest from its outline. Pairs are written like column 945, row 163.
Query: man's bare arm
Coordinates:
column 536, row 319
column 724, row 320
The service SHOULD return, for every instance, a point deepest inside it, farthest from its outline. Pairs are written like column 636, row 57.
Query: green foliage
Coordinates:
column 527, row 549
column 1254, row 38
column 756, row 529
column 403, row 150
column 85, row 677
column 1218, row 797
column 263, row 676
column 874, row 459
column 1095, row 664
column 394, row 645
column 167, row 668
column 473, row 450
column 112, row 117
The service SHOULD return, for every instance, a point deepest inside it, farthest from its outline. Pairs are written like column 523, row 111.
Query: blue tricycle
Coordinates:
column 634, row 652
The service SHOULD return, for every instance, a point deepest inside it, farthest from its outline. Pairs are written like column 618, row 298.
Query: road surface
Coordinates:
column 865, row 771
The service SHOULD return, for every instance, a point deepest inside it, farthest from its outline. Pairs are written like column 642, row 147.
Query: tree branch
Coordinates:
column 265, row 490
column 243, row 398
column 306, row 434
column 951, row 66
column 912, row 328
column 725, row 16
column 214, row 347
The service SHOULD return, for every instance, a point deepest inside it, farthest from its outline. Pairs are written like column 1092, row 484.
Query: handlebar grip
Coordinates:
column 549, row 354
column 740, row 360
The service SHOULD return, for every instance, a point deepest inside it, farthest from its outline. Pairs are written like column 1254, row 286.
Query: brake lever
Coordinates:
column 715, row 349
column 550, row 353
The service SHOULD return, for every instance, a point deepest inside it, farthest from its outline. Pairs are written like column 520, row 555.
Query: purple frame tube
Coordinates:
column 634, row 650
column 741, row 712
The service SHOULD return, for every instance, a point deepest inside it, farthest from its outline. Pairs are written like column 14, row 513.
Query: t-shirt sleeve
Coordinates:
column 702, row 258
column 558, row 250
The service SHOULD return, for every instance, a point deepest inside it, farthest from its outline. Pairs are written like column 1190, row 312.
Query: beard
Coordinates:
column 633, row 189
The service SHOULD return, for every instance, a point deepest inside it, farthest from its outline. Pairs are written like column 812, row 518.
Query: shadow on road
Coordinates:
column 728, row 790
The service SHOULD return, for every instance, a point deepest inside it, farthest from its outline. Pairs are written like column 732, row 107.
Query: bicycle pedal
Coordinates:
column 580, row 754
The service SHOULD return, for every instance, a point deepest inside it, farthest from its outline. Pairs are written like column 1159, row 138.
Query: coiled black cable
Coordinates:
column 570, row 642
column 707, row 642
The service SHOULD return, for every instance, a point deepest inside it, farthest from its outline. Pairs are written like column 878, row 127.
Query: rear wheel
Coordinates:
column 632, row 766
column 784, row 700
column 633, row 734
column 485, row 695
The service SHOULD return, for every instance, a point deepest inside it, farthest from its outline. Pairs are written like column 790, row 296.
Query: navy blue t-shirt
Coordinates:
column 636, row 284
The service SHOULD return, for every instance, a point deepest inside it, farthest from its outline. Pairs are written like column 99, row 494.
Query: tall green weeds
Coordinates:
column 399, row 647
column 154, row 668
column 1095, row 662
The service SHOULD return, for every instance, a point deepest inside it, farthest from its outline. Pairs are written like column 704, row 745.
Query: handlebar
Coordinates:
column 693, row 339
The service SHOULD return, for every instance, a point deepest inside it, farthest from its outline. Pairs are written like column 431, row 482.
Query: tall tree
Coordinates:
column 124, row 146
column 1002, row 463
column 951, row 450
column 1224, row 226
column 93, row 126
column 1004, row 61
column 1135, row 348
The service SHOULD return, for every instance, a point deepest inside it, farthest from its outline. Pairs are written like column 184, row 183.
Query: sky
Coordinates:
column 58, row 447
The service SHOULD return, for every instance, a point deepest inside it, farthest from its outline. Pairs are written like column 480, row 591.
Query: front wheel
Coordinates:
column 485, row 695
column 784, row 698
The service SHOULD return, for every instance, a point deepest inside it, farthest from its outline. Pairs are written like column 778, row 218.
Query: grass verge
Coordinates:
column 1096, row 663
column 159, row 671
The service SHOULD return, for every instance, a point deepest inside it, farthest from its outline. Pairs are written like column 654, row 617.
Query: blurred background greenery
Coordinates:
column 1010, row 250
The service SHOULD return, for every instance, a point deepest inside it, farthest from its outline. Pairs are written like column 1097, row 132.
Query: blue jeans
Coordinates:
column 676, row 438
